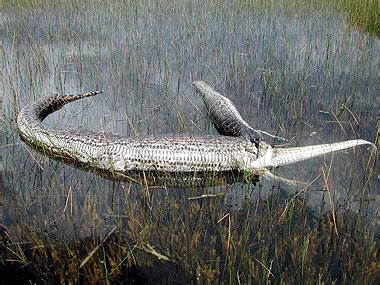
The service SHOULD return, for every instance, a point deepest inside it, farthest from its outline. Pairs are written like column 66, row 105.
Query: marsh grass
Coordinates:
column 292, row 68
column 259, row 243
column 363, row 14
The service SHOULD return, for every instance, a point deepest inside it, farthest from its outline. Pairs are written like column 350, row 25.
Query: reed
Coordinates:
column 298, row 69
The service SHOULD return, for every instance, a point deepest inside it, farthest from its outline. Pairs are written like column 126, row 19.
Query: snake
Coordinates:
column 176, row 153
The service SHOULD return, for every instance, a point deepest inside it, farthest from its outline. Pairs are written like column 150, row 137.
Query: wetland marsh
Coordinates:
column 295, row 69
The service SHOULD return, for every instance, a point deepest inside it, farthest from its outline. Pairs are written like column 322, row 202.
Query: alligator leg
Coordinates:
column 226, row 117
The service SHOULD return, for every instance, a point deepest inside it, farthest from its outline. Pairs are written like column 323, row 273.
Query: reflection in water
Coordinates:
column 306, row 82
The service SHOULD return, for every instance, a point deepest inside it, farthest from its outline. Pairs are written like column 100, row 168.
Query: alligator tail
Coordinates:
column 285, row 156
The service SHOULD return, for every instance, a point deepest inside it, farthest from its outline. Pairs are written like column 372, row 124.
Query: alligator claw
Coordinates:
column 255, row 141
column 254, row 136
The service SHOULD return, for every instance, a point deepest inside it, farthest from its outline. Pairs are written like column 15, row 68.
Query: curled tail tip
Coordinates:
column 67, row 98
column 79, row 95
column 84, row 95
column 93, row 93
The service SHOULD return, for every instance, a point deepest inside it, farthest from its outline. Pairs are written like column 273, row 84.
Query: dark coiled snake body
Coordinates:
column 177, row 153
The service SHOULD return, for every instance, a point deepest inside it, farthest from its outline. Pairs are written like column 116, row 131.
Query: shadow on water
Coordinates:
column 310, row 83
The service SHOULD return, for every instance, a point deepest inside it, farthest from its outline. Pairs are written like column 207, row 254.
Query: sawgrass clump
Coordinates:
column 363, row 14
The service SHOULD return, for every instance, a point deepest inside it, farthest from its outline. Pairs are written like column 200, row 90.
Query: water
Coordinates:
column 310, row 80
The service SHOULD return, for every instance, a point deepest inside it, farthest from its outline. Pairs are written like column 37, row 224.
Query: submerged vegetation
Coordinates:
column 292, row 67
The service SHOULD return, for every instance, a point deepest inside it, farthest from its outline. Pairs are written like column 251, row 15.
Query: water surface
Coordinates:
column 307, row 79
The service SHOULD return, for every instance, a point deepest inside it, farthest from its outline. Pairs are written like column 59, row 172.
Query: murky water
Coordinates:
column 308, row 77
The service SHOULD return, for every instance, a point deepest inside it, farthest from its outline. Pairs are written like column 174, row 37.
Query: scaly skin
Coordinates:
column 226, row 117
column 176, row 153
